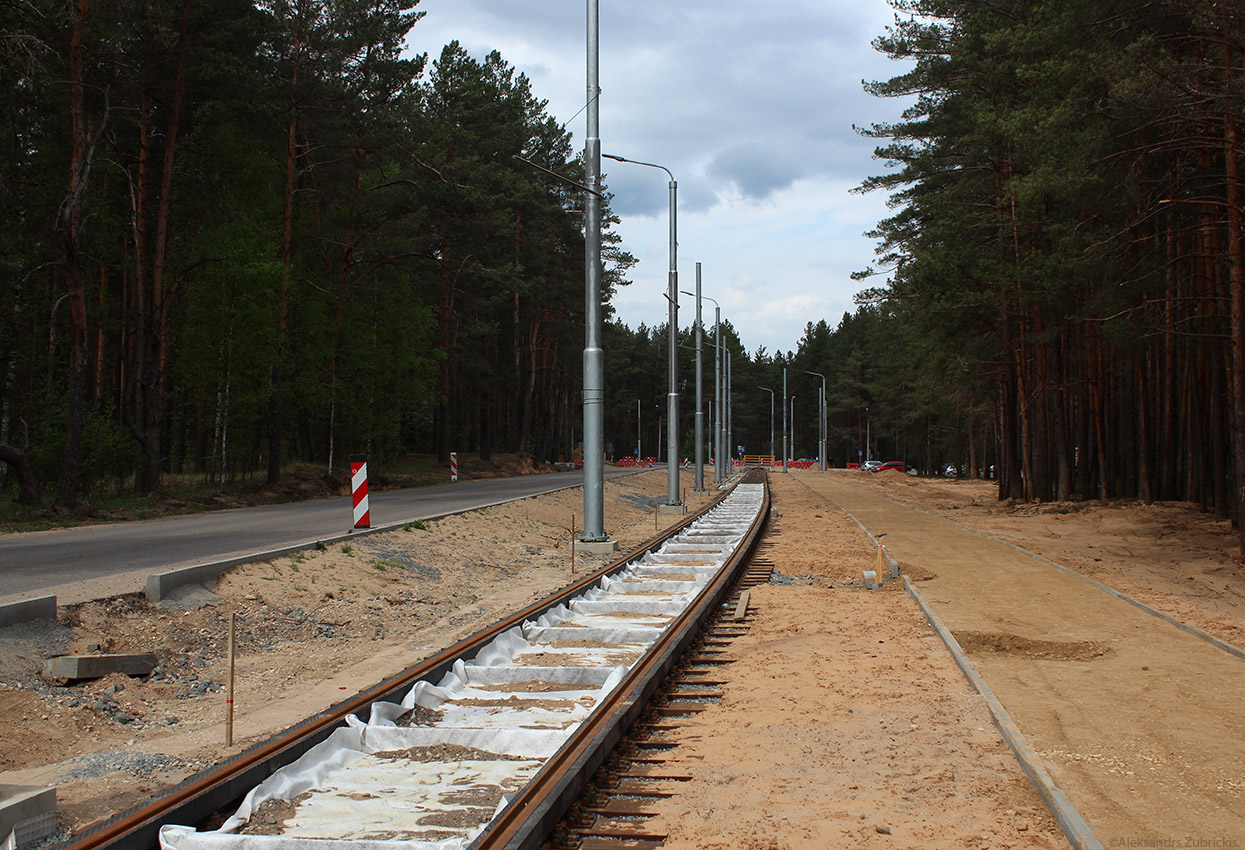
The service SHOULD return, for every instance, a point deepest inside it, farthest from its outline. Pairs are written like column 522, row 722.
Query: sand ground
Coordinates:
column 318, row 626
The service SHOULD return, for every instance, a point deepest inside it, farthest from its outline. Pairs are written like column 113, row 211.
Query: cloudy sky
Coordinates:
column 750, row 105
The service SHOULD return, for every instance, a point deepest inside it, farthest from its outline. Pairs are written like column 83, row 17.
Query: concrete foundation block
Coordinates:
column 672, row 509
column 98, row 666
column 596, row 547
column 29, row 811
column 24, row 610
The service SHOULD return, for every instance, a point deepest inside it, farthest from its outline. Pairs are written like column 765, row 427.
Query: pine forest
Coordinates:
column 240, row 233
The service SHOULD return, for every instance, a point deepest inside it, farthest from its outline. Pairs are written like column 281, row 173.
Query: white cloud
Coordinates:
column 751, row 107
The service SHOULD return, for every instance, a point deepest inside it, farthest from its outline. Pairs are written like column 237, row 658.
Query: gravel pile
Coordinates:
column 641, row 501
column 138, row 765
column 792, row 581
column 389, row 554
column 25, row 646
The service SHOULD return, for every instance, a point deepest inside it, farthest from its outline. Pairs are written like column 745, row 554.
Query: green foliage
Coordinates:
column 300, row 242
column 1056, row 182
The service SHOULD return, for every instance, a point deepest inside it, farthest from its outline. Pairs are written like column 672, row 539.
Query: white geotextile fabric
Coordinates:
column 632, row 585
column 385, row 797
column 613, row 604
column 583, row 677
column 702, row 572
column 682, row 548
column 617, row 636
column 488, row 709
column 623, row 617
column 328, row 766
column 625, row 654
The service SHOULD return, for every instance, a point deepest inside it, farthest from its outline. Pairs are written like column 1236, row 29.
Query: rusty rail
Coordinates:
column 202, row 795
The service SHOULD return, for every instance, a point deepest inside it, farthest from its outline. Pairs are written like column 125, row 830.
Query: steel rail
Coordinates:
column 529, row 820
column 200, row 796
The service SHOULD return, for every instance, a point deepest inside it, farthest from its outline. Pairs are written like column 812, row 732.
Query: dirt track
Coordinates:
column 844, row 721
column 1142, row 724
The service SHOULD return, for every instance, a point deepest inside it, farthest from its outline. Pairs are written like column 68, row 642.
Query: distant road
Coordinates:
column 39, row 560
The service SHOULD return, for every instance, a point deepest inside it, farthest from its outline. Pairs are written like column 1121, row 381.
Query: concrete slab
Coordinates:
column 27, row 810
column 596, row 547
column 672, row 509
column 25, row 610
column 97, row 666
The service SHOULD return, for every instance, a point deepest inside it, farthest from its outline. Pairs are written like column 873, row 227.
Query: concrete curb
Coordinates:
column 1079, row 835
column 25, row 610
column 159, row 585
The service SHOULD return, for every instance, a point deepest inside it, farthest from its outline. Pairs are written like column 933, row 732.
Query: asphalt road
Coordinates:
column 35, row 561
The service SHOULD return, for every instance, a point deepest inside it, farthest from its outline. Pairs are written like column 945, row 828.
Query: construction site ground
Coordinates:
column 1140, row 722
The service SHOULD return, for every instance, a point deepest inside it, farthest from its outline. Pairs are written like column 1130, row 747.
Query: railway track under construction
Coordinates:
column 495, row 741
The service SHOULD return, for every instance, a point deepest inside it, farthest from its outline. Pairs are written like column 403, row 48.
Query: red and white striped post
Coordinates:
column 358, row 491
column 453, row 466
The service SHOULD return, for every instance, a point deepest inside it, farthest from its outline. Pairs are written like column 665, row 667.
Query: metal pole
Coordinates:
column 672, row 297
column 784, row 419
column 700, row 404
column 868, row 424
column 793, row 423
column 639, row 432
column 718, row 387
column 771, row 421
column 672, row 396
column 594, row 368
column 821, row 421
column 730, row 409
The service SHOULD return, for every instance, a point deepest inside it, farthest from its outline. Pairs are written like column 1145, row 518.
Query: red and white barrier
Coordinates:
column 453, row 466
column 358, row 491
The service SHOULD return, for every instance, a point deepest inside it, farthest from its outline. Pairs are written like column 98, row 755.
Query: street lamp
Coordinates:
column 700, row 405
column 718, row 399
column 594, row 359
column 730, row 408
column 771, row 422
column 793, row 424
column 822, row 431
column 784, row 419
column 672, row 296
column 639, row 432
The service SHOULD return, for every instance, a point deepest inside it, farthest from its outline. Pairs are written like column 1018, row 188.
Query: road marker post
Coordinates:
column 453, row 466
column 358, row 491
column 233, row 651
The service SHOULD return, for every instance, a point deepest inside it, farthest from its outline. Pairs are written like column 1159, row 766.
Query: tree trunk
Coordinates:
column 72, row 217
column 276, row 373
column 1236, row 283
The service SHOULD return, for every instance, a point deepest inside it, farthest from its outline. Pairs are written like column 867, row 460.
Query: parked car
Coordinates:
column 870, row 465
column 890, row 464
